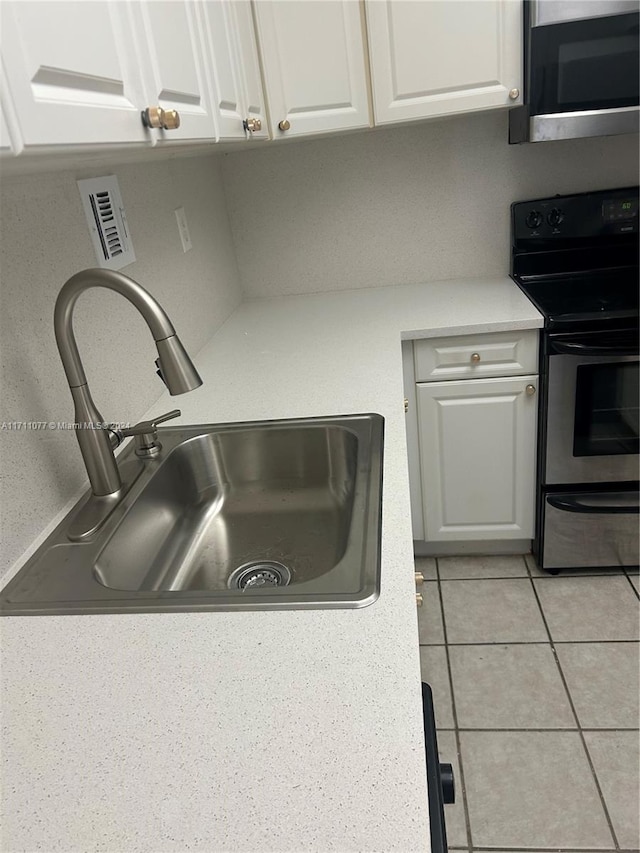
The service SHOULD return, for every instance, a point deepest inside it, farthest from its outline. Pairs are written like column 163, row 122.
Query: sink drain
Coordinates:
column 259, row 575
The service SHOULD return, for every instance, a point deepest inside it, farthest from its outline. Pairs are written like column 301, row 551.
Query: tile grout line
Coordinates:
column 540, row 731
column 575, row 714
column 551, row 850
column 463, row 789
column 523, row 577
column 534, row 642
column 631, row 583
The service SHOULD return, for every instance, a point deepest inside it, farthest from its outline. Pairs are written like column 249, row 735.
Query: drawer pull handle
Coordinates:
column 475, row 357
column 418, row 599
column 419, row 578
column 572, row 503
column 531, row 390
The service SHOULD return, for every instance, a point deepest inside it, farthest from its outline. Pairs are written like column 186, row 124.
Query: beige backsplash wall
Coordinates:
column 44, row 240
column 404, row 204
column 399, row 205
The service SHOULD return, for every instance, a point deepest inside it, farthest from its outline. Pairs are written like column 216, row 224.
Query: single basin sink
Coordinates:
column 266, row 515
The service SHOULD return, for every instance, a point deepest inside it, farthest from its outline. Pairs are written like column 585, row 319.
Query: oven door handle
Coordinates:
column 574, row 348
column 621, row 504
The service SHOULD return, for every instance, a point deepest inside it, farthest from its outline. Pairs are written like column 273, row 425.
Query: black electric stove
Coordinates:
column 588, row 298
column 576, row 258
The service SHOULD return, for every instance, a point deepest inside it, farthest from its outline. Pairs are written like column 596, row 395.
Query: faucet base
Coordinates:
column 97, row 509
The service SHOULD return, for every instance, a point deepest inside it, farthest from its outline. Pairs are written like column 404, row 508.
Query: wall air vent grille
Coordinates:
column 107, row 222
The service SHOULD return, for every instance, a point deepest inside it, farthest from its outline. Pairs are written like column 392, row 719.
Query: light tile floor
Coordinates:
column 536, row 683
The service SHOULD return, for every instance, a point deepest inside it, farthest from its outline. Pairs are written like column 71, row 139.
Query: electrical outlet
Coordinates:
column 183, row 229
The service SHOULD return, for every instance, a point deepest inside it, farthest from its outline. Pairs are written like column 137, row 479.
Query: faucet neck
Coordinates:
column 159, row 324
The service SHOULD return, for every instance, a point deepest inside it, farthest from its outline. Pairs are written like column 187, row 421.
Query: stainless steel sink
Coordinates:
column 265, row 515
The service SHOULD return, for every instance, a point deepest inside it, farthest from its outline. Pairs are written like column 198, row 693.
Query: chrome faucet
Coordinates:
column 174, row 366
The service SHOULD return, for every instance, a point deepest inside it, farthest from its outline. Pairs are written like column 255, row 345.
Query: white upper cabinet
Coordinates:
column 313, row 58
column 82, row 73
column 5, row 139
column 235, row 81
column 439, row 57
column 72, row 72
column 173, row 66
column 248, row 63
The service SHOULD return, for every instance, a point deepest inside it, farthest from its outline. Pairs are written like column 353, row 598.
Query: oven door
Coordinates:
column 583, row 74
column 592, row 408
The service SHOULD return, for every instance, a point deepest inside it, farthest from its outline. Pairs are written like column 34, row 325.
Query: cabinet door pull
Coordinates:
column 156, row 117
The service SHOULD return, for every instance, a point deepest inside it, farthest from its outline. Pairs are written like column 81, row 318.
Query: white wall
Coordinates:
column 45, row 240
column 400, row 205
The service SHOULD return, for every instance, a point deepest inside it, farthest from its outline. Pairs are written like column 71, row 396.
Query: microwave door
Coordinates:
column 545, row 12
column 582, row 77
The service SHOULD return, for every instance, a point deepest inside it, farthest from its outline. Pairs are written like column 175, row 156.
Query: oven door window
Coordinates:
column 606, row 417
column 590, row 64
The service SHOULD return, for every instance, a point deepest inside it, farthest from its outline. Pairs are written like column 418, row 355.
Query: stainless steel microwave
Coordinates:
column 581, row 70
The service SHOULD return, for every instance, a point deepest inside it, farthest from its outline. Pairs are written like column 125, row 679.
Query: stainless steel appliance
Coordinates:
column 581, row 70
column 576, row 258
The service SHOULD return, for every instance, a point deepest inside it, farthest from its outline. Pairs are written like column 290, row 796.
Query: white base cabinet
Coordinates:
column 472, row 411
column 477, row 458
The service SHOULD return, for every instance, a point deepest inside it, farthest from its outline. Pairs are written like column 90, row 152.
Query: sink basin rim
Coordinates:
column 368, row 428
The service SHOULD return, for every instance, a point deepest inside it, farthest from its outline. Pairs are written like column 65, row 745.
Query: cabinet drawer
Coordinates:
column 476, row 356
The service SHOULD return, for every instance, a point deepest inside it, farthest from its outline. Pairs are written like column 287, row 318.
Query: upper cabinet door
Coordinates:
column 173, row 62
column 314, row 66
column 5, row 139
column 249, row 65
column 235, row 82
column 440, row 57
column 72, row 72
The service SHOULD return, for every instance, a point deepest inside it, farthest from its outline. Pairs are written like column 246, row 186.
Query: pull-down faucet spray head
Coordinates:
column 175, row 368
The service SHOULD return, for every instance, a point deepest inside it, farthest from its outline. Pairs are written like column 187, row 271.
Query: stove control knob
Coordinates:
column 555, row 216
column 534, row 219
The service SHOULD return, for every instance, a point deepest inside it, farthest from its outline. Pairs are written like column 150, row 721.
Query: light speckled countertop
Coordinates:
column 282, row 731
